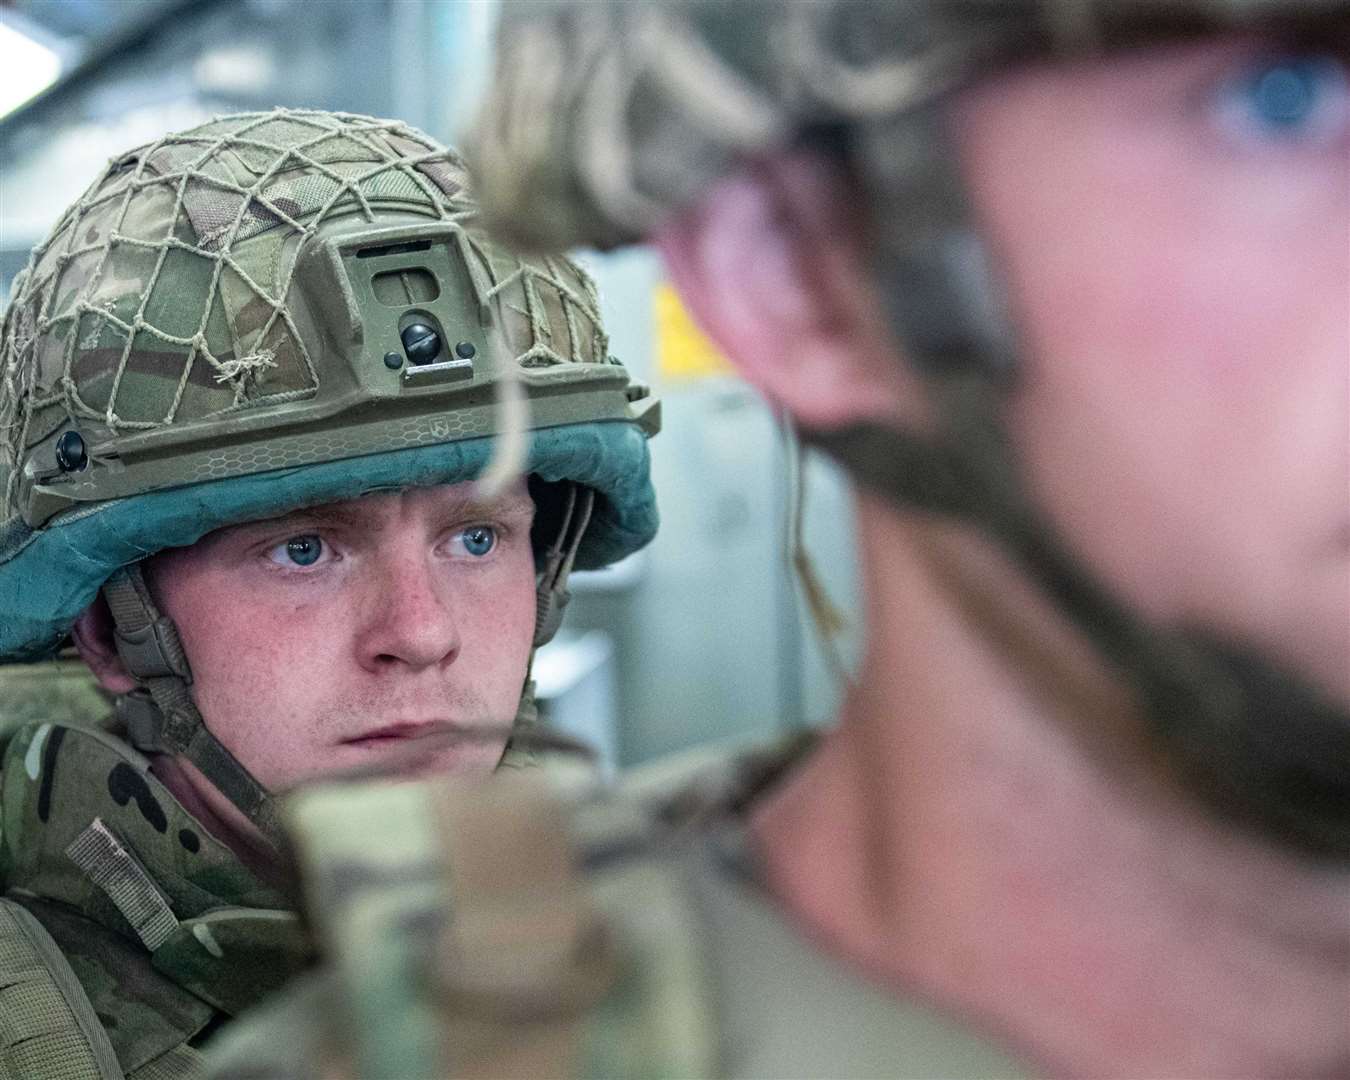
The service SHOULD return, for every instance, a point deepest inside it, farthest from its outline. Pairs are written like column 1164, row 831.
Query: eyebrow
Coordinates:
column 348, row 512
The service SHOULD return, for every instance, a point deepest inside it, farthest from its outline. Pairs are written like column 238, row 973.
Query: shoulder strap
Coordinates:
column 47, row 1025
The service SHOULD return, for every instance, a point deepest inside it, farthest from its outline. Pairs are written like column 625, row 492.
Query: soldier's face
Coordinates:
column 1174, row 228
column 327, row 639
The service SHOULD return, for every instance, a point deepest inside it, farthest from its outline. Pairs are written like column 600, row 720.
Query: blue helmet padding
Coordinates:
column 48, row 576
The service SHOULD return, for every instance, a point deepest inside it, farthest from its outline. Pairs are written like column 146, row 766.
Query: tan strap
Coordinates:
column 115, row 870
column 527, row 953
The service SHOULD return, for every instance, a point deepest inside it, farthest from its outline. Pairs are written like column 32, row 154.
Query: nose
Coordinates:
column 407, row 617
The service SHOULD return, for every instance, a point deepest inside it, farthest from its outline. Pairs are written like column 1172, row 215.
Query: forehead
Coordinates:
column 463, row 498
column 386, row 509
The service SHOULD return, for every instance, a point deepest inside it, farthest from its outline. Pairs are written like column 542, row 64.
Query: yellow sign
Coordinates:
column 683, row 351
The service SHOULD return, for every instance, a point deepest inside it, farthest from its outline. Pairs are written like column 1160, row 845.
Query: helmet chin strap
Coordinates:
column 1259, row 743
column 160, row 715
column 1256, row 742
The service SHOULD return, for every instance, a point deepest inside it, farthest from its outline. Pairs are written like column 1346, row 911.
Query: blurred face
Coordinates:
column 1174, row 226
column 329, row 638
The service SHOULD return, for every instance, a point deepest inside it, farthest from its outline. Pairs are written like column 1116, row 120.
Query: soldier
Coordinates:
column 249, row 389
column 1063, row 286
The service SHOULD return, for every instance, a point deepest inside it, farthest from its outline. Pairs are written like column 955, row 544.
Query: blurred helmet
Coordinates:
column 275, row 310
column 605, row 118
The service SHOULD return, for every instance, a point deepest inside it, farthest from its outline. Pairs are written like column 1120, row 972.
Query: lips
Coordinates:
column 408, row 749
column 402, row 732
column 433, row 737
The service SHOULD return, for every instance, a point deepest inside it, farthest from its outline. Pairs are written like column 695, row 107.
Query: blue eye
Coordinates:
column 1292, row 99
column 478, row 540
column 299, row 550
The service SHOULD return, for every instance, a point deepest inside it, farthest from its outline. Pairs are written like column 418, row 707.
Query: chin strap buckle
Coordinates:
column 153, row 651
column 144, row 722
column 147, row 641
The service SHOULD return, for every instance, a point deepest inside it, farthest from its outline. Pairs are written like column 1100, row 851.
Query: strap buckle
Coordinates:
column 144, row 721
column 153, row 651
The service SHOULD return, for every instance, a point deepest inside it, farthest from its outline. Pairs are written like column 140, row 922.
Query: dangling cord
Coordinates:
column 551, row 593
column 554, row 555
column 826, row 618
column 550, row 599
column 513, row 421
column 587, row 508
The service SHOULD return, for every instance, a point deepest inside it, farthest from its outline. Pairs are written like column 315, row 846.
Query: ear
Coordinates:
column 93, row 636
column 770, row 265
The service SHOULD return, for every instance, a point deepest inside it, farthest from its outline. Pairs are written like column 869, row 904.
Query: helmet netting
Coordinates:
column 163, row 296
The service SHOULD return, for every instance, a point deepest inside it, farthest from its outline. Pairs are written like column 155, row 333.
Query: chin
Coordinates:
column 477, row 759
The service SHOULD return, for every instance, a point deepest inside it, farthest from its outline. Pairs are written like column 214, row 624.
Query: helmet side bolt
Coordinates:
column 465, row 350
column 393, row 361
column 71, row 455
column 421, row 343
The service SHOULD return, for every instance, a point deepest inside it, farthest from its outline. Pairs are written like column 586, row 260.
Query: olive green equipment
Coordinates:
column 605, row 119
column 275, row 310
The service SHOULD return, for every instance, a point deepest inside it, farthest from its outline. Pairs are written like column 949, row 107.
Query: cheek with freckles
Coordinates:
column 281, row 683
column 265, row 680
column 496, row 628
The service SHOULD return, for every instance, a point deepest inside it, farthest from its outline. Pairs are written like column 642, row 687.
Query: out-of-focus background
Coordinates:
column 702, row 637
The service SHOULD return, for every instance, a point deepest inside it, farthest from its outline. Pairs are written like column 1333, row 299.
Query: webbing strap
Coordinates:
column 146, row 640
column 149, row 646
column 162, row 716
column 115, row 870
column 527, row 953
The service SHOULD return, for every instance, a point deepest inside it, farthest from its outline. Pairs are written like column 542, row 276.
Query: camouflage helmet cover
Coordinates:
column 648, row 104
column 221, row 317
column 605, row 117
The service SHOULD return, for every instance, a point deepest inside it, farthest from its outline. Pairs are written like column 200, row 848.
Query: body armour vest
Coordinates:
column 128, row 933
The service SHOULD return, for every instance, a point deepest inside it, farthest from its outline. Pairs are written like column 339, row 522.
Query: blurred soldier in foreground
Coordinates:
column 1064, row 287
column 246, row 388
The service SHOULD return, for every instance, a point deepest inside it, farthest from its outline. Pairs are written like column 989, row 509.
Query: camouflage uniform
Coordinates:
column 652, row 946
column 266, row 312
column 164, row 930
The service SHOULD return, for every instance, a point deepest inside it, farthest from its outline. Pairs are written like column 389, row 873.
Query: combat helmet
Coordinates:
column 274, row 310
column 606, row 119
